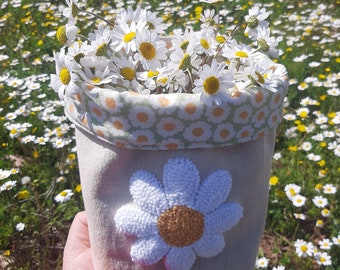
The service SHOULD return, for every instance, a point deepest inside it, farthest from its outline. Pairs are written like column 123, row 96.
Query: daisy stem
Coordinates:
column 99, row 17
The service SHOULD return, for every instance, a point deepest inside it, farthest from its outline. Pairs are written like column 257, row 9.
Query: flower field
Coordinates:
column 40, row 189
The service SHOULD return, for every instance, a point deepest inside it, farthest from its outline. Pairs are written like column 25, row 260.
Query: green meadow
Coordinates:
column 40, row 189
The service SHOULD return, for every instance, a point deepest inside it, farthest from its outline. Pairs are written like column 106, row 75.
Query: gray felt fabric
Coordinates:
column 105, row 171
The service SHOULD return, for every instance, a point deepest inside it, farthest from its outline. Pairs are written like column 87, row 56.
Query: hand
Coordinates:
column 77, row 251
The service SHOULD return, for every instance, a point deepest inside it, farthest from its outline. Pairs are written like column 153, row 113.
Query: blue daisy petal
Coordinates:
column 180, row 258
column 147, row 192
column 148, row 251
column 209, row 245
column 223, row 218
column 213, row 191
column 181, row 181
column 132, row 221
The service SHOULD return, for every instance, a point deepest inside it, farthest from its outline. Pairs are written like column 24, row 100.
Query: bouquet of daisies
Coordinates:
column 134, row 53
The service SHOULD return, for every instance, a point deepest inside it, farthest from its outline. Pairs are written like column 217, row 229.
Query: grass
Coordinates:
column 38, row 159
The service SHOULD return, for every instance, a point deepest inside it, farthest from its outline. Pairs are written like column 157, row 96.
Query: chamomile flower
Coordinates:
column 236, row 52
column 266, row 43
column 329, row 189
column 299, row 200
column 124, row 36
column 325, row 244
column 320, row 201
column 96, row 72
column 20, row 227
column 64, row 196
column 150, row 49
column 322, row 258
column 4, row 174
column 336, row 240
column 255, row 18
column 292, row 190
column 101, row 41
column 213, row 83
column 65, row 78
column 262, row 262
column 153, row 23
column 209, row 19
column 303, row 248
column 67, row 34
column 8, row 185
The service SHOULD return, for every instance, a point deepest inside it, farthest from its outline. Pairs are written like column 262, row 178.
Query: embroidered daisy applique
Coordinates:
column 180, row 218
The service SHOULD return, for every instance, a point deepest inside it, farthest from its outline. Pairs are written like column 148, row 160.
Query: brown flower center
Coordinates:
column 181, row 226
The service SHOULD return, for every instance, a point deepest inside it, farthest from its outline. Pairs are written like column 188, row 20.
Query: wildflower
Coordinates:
column 320, row 201
column 67, row 34
column 329, row 189
column 319, row 223
column 292, row 190
column 336, row 240
column 25, row 180
column 8, row 185
column 280, row 267
column 303, row 248
column 4, row 174
column 273, row 180
column 255, row 18
column 266, row 43
column 262, row 262
column 64, row 196
column 150, row 49
column 213, row 83
column 24, row 194
column 306, row 146
column 20, row 226
column 300, row 216
column 72, row 10
column 299, row 200
column 65, row 77
column 325, row 212
column 325, row 244
column 322, row 258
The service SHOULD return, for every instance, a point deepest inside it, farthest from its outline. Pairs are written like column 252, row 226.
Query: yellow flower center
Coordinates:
column 96, row 80
column 147, row 50
column 152, row 73
column 127, row 73
column 241, row 54
column 61, row 34
column 184, row 45
column 101, row 50
column 180, row 226
column 211, row 85
column 129, row 37
column 205, row 44
column 65, row 76
column 63, row 193
column 185, row 62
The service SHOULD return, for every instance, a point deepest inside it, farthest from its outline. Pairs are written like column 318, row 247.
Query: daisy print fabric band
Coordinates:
column 180, row 120
column 179, row 218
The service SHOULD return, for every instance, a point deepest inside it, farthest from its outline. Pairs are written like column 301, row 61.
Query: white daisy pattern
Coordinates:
column 182, row 201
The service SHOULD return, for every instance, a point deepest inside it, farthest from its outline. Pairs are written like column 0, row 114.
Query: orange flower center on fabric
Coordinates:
column 128, row 73
column 211, row 85
column 65, row 76
column 147, row 50
column 129, row 37
column 181, row 226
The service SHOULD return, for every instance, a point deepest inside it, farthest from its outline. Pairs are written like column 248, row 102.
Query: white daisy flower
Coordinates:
column 150, row 49
column 207, row 43
column 67, row 34
column 320, row 201
column 20, row 227
column 325, row 244
column 213, row 83
column 303, row 248
column 8, row 185
column 322, row 258
column 267, row 43
column 153, row 23
column 64, row 196
column 336, row 240
column 329, row 189
column 4, row 174
column 101, row 41
column 256, row 17
column 299, row 200
column 124, row 36
column 262, row 262
column 292, row 190
column 65, row 78
column 180, row 218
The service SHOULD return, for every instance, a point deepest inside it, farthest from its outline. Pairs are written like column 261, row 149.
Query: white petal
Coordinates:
column 180, row 258
column 223, row 218
column 148, row 251
column 181, row 180
column 209, row 245
column 147, row 192
column 131, row 220
column 213, row 191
